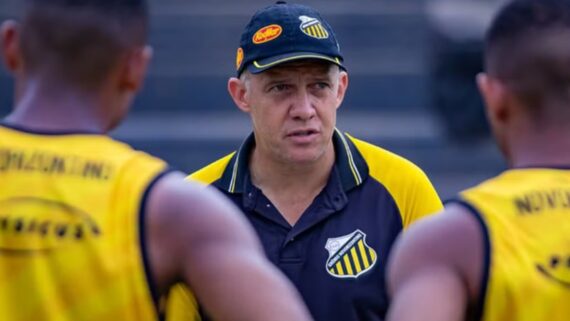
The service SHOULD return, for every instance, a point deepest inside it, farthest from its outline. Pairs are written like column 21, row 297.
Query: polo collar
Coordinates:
column 350, row 164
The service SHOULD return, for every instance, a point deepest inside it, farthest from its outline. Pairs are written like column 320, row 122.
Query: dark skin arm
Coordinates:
column 198, row 237
column 436, row 267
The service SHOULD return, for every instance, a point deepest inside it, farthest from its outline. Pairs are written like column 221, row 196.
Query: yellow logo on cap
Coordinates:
column 267, row 33
column 313, row 27
column 239, row 57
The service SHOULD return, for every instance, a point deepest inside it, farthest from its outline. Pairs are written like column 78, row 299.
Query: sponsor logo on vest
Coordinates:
column 52, row 164
column 312, row 27
column 349, row 255
column 30, row 225
column 267, row 34
column 557, row 269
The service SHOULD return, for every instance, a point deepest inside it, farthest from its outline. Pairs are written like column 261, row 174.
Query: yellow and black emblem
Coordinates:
column 349, row 255
column 313, row 27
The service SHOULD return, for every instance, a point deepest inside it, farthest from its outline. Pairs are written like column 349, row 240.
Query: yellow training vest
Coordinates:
column 70, row 238
column 527, row 216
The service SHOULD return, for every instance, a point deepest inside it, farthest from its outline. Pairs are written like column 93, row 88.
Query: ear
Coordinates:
column 10, row 46
column 238, row 91
column 135, row 68
column 342, row 86
column 495, row 96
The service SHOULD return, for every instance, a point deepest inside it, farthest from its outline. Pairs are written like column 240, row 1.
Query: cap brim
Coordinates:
column 261, row 65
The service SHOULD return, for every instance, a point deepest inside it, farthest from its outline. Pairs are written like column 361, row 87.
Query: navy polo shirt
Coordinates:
column 336, row 253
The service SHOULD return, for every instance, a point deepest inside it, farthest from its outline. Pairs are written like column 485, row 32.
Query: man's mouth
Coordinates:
column 303, row 133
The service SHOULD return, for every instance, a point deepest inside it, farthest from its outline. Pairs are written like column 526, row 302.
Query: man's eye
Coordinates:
column 322, row 85
column 280, row 87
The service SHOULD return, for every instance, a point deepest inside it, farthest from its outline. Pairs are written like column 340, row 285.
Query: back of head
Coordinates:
column 80, row 41
column 528, row 49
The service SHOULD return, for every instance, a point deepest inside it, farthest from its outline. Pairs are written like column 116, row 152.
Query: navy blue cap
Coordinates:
column 284, row 32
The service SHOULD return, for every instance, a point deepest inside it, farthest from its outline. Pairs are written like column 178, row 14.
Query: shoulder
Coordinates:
column 213, row 171
column 173, row 194
column 123, row 153
column 383, row 163
column 426, row 245
column 185, row 223
column 187, row 211
column 408, row 185
column 132, row 171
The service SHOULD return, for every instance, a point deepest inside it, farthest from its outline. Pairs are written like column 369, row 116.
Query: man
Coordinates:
column 327, row 206
column 501, row 251
column 89, row 228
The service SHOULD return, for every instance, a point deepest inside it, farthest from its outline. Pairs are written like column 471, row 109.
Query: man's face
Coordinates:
column 293, row 110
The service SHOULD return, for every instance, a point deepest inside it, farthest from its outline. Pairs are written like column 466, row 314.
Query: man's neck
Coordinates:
column 56, row 109
column 291, row 187
column 546, row 148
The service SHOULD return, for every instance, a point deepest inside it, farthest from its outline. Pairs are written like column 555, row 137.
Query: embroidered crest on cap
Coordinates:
column 239, row 57
column 313, row 27
column 266, row 34
column 349, row 255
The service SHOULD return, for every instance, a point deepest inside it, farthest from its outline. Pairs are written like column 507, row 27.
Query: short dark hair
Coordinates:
column 528, row 48
column 81, row 40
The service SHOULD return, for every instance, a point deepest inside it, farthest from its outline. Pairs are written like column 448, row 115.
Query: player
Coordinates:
column 327, row 206
column 501, row 251
column 89, row 228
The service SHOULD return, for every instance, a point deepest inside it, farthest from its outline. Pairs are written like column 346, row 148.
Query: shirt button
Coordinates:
column 250, row 195
column 268, row 205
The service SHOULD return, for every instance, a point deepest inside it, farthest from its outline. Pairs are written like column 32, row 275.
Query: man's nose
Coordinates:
column 303, row 106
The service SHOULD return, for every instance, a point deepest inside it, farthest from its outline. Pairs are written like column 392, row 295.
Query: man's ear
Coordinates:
column 238, row 90
column 134, row 68
column 496, row 97
column 342, row 87
column 10, row 46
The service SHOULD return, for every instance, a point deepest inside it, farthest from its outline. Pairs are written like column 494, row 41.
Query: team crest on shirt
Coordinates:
column 312, row 27
column 349, row 255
